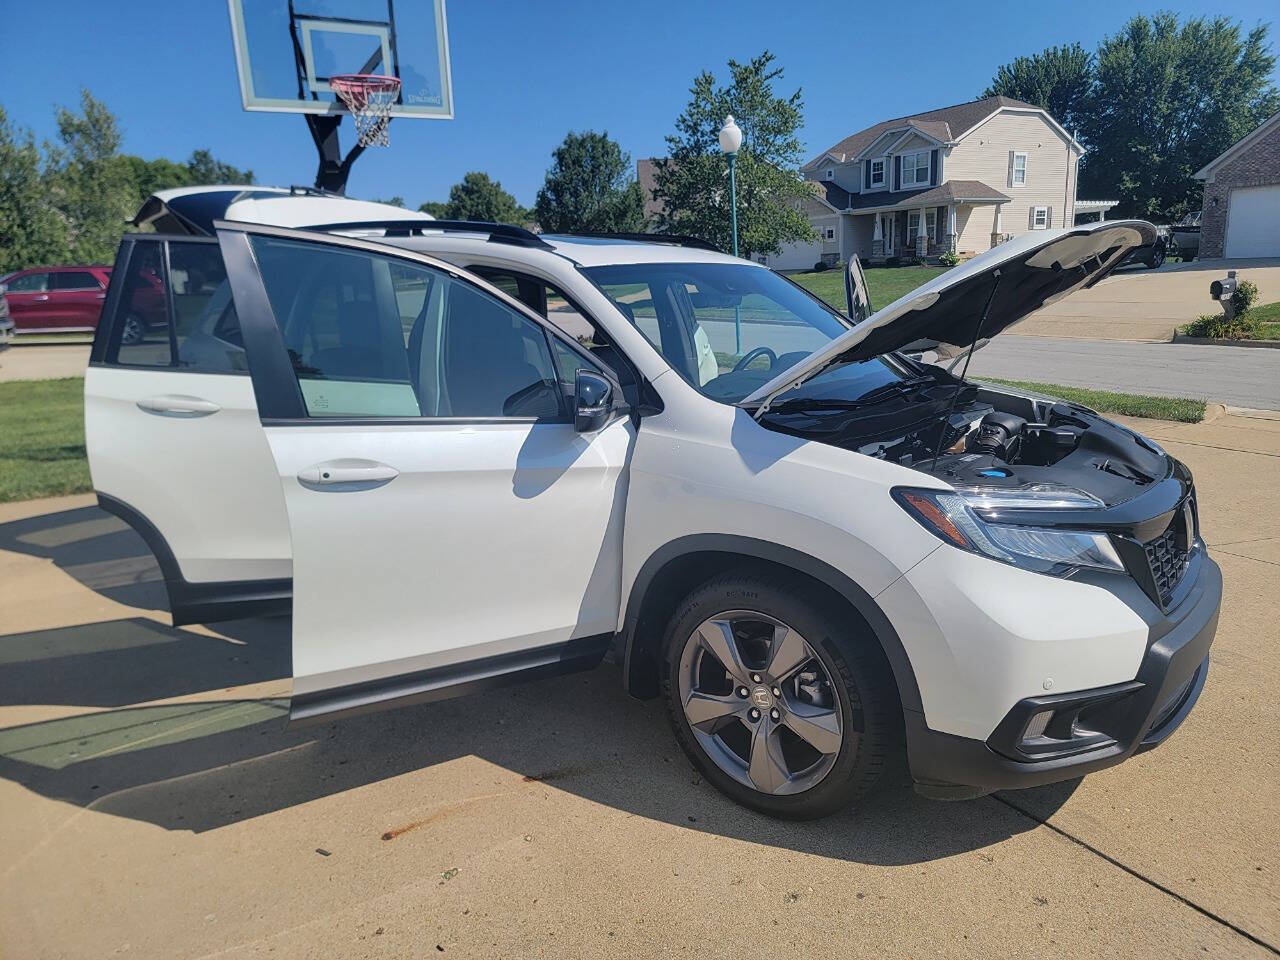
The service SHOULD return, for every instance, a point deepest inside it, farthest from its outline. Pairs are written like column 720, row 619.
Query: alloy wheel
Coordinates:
column 133, row 331
column 760, row 702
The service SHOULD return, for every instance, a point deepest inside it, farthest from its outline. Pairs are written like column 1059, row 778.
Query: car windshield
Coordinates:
column 730, row 328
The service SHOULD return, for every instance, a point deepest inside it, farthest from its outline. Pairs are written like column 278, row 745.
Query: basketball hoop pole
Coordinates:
column 333, row 170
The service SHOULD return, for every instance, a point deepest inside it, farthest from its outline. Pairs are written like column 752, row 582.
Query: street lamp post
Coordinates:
column 730, row 142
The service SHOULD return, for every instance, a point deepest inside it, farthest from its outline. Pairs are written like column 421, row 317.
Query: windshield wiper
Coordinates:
column 804, row 404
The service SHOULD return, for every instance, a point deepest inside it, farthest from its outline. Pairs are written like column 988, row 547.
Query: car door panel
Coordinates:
column 431, row 553
column 490, row 539
column 178, row 452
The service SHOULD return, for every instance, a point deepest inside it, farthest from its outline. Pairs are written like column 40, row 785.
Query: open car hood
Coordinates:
column 1027, row 273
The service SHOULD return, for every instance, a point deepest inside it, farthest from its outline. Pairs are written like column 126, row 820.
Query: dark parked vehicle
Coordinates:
column 1152, row 254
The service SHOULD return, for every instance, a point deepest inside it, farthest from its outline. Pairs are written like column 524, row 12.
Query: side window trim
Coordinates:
column 279, row 396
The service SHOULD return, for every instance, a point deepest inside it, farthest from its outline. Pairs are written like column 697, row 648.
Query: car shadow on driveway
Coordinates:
column 210, row 762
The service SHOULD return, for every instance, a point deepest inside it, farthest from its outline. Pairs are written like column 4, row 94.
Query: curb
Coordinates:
column 1212, row 412
column 1218, row 342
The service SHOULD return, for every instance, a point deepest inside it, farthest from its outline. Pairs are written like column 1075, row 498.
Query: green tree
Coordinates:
column 437, row 209
column 1167, row 99
column 204, row 168
column 590, row 188
column 158, row 174
column 90, row 183
column 391, row 201
column 31, row 231
column 1057, row 79
column 478, row 197
column 693, row 182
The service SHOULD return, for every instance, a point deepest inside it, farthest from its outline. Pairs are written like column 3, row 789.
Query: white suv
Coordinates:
column 468, row 454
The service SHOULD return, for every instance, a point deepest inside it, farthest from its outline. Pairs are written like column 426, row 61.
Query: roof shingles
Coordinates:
column 941, row 124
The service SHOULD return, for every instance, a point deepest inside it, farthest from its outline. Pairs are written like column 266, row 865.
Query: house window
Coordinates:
column 915, row 169
column 831, row 174
column 831, row 233
column 913, row 225
column 1040, row 218
column 1019, row 168
column 877, row 173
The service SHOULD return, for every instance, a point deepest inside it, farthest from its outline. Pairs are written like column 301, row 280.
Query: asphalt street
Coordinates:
column 1235, row 376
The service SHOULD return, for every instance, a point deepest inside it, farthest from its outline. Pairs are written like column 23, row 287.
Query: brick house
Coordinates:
column 960, row 178
column 1241, row 212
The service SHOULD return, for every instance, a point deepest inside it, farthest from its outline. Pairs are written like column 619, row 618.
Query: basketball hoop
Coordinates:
column 369, row 97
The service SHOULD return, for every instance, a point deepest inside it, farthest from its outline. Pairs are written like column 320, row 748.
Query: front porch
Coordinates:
column 930, row 223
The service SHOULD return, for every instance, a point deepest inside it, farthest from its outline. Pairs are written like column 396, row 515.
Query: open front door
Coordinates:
column 450, row 527
column 857, row 300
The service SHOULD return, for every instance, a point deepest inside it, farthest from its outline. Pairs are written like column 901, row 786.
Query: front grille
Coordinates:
column 1170, row 553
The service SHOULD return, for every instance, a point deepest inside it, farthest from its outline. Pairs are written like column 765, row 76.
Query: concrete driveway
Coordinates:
column 1135, row 303
column 152, row 802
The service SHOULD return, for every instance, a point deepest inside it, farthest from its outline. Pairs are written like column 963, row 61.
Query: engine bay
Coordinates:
column 973, row 435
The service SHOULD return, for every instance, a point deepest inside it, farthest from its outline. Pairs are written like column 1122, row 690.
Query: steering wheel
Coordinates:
column 752, row 354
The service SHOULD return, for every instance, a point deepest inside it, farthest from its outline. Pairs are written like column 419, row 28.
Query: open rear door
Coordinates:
column 451, row 529
column 857, row 300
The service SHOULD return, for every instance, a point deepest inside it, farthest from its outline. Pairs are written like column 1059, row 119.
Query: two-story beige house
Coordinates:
column 972, row 175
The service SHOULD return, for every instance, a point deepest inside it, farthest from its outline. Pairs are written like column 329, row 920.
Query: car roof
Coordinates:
column 589, row 251
column 583, row 251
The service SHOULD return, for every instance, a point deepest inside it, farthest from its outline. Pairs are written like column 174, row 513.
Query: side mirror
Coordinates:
column 592, row 401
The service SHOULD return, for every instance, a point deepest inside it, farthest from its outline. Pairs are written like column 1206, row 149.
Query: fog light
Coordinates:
column 1036, row 725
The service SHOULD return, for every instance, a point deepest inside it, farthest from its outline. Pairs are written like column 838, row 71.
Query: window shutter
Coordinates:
column 933, row 168
column 1031, row 218
column 1048, row 218
column 866, row 174
column 897, row 172
column 1011, row 168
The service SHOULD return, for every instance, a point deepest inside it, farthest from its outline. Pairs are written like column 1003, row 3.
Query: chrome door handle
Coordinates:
column 347, row 474
column 42, row 297
column 178, row 405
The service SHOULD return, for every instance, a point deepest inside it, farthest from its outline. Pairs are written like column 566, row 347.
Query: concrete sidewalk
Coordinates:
column 152, row 802
column 44, row 361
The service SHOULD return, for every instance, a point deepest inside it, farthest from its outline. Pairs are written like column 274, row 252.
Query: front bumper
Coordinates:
column 1102, row 726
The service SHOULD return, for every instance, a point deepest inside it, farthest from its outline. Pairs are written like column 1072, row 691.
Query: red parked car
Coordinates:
column 56, row 299
column 69, row 299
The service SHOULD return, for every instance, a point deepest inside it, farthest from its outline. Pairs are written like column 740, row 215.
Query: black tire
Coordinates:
column 860, row 675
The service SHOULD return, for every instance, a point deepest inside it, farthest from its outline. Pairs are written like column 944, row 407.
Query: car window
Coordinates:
column 205, row 324
column 31, row 283
column 373, row 336
column 194, row 312
column 75, row 280
column 727, row 328
column 563, row 313
column 140, row 330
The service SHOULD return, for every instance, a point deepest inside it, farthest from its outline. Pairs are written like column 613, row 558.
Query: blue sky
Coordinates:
column 524, row 73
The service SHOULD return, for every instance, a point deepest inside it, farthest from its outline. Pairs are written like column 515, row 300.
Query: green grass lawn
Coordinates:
column 1268, row 317
column 884, row 284
column 1125, row 404
column 42, row 439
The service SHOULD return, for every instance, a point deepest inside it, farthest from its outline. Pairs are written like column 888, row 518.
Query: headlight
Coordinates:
column 951, row 517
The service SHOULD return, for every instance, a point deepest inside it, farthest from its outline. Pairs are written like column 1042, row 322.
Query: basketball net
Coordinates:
column 369, row 98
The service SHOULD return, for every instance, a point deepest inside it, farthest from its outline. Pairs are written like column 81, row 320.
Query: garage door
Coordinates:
column 1253, row 222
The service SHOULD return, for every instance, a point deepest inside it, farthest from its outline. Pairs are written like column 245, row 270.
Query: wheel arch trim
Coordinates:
column 634, row 650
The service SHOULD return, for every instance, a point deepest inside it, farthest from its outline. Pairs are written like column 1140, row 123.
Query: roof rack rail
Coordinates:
column 674, row 239
column 498, row 232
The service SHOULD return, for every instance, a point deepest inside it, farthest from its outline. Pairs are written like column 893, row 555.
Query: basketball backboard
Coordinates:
column 286, row 51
